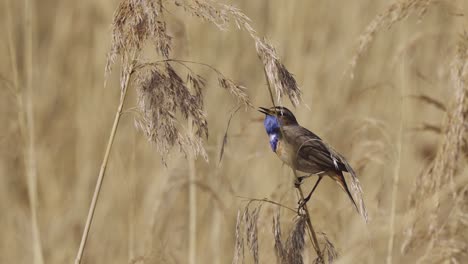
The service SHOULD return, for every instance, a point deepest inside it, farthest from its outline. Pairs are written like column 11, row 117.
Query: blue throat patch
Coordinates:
column 272, row 128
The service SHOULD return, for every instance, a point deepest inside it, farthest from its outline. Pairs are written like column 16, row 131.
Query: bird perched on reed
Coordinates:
column 304, row 151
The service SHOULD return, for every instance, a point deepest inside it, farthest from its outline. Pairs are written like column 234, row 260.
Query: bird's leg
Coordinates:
column 298, row 180
column 306, row 199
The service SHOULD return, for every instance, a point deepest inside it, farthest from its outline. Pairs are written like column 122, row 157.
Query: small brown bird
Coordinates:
column 304, row 151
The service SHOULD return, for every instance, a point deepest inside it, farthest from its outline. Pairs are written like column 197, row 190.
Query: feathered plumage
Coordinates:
column 304, row 151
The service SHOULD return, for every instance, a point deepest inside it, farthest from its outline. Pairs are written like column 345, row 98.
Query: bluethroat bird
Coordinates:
column 304, row 151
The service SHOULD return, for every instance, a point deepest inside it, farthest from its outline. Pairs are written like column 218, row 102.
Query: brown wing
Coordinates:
column 312, row 153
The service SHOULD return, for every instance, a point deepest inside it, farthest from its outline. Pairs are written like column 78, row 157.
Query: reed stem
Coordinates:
column 102, row 171
column 312, row 234
column 396, row 175
column 26, row 119
column 192, row 256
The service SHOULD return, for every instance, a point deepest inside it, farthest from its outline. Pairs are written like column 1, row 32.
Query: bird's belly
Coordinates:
column 284, row 153
column 287, row 154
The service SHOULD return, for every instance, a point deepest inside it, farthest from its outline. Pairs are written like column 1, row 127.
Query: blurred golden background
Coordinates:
column 56, row 116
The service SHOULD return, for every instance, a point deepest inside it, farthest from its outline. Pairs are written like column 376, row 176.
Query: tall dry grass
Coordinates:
column 143, row 212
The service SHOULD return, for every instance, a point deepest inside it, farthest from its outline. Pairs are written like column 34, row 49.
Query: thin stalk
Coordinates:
column 102, row 171
column 396, row 175
column 312, row 235
column 192, row 256
column 131, row 215
column 216, row 230
column 216, row 236
column 265, row 200
column 27, row 120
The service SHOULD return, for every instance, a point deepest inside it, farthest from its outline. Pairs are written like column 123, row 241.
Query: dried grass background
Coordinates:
column 402, row 116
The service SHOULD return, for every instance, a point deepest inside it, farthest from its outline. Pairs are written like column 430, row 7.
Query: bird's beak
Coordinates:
column 264, row 110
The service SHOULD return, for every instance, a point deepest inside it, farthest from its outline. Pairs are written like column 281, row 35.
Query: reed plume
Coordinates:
column 163, row 95
column 246, row 226
column 394, row 13
column 439, row 180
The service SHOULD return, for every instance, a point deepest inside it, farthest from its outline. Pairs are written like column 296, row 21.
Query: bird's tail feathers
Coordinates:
column 355, row 189
column 339, row 178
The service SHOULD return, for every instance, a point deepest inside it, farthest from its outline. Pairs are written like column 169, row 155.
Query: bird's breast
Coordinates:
column 283, row 152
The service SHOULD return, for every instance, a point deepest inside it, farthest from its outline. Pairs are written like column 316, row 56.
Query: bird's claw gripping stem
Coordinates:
column 301, row 204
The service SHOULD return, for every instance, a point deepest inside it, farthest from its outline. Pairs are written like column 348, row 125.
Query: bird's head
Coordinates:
column 277, row 115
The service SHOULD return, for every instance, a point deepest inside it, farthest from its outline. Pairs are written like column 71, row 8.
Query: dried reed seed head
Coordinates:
column 161, row 95
column 440, row 173
column 238, row 91
column 318, row 260
column 295, row 242
column 448, row 239
column 197, row 82
column 242, row 21
column 136, row 22
column 207, row 10
column 252, row 232
column 394, row 13
column 239, row 247
column 329, row 249
column 216, row 13
column 276, row 73
column 280, row 251
column 443, row 167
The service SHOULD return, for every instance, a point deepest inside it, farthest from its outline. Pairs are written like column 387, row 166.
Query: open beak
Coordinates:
column 264, row 110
